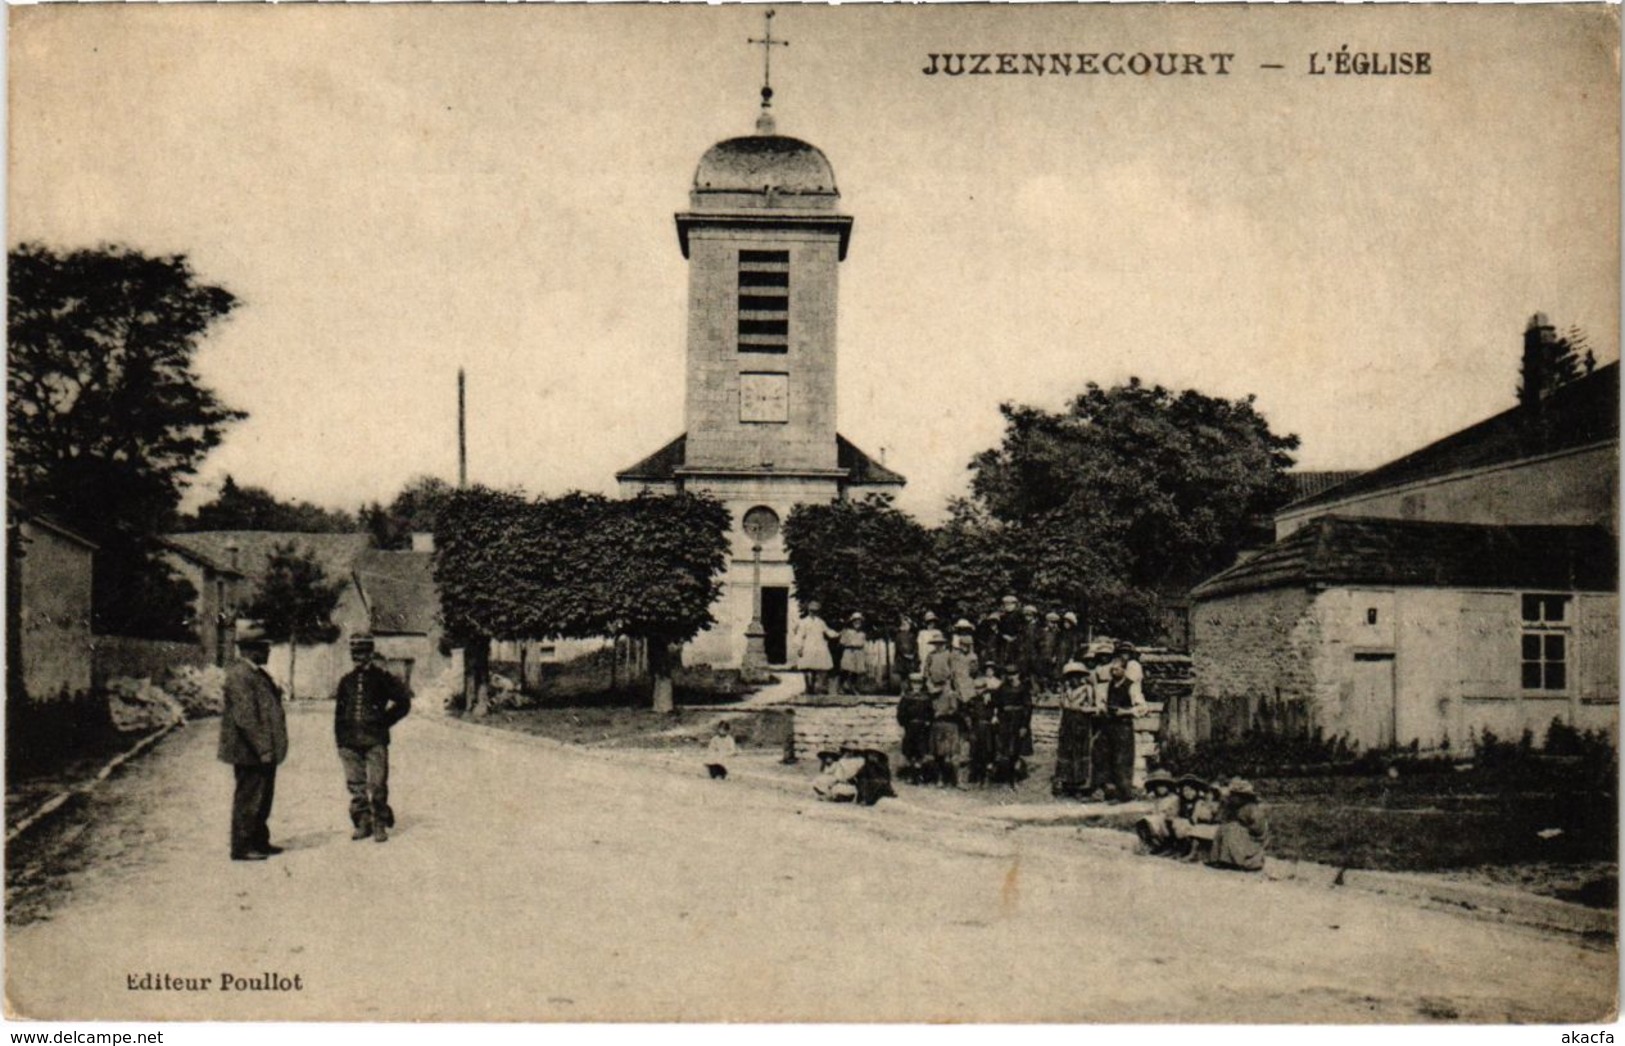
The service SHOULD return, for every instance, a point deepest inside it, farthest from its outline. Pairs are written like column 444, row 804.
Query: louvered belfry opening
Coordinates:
column 764, row 301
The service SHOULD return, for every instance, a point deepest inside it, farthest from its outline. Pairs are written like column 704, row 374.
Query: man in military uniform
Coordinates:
column 368, row 702
column 254, row 740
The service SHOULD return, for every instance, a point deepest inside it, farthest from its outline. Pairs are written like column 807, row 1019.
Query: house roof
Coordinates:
column 1343, row 550
column 1580, row 413
column 335, row 552
column 399, row 589
column 200, row 556
column 18, row 512
column 861, row 469
column 1306, row 484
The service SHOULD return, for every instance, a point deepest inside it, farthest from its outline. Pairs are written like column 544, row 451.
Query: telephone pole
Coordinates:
column 462, row 433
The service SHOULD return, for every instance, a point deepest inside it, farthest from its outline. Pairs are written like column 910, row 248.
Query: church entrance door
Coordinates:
column 776, row 622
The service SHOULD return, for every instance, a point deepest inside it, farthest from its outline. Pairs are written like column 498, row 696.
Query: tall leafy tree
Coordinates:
column 579, row 566
column 412, row 512
column 106, row 417
column 294, row 602
column 255, row 508
column 1149, row 487
column 977, row 561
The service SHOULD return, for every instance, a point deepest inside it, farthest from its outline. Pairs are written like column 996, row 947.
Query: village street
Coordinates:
column 533, row 882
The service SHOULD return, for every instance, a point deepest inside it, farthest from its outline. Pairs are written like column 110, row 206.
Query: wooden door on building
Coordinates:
column 776, row 623
column 1375, row 707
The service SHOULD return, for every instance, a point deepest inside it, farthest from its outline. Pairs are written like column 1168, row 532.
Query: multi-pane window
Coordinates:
column 1545, row 642
column 764, row 301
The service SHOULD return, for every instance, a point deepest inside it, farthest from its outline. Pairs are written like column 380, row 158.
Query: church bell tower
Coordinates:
column 763, row 241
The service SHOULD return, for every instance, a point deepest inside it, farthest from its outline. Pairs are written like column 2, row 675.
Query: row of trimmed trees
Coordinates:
column 580, row 566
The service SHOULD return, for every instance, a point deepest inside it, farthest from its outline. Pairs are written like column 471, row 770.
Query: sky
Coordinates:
column 396, row 191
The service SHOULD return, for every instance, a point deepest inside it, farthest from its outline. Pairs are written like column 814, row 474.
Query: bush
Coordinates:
column 1263, row 755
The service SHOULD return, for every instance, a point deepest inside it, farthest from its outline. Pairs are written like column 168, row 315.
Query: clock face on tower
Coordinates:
column 764, row 398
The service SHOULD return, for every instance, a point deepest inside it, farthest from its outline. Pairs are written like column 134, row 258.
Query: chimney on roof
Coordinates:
column 232, row 548
column 1540, row 352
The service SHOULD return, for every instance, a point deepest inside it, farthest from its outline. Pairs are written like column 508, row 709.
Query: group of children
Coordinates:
column 967, row 733
column 1197, row 820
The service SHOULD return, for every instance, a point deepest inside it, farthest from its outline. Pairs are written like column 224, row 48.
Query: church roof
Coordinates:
column 861, row 469
column 758, row 163
column 660, row 466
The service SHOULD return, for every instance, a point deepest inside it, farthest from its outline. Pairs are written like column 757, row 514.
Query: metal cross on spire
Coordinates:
column 764, row 123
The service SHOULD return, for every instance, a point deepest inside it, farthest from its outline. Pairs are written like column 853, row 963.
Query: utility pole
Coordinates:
column 462, row 433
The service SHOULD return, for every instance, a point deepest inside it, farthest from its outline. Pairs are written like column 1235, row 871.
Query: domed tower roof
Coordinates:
column 763, row 164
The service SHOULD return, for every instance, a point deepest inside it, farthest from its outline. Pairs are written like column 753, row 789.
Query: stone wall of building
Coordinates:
column 1435, row 667
column 125, row 657
column 1258, row 645
column 54, row 612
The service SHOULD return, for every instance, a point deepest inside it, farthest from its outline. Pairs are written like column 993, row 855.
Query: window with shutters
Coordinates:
column 1546, row 642
column 764, row 301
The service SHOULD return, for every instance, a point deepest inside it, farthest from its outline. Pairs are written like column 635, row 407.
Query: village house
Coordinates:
column 1470, row 586
column 389, row 594
column 218, row 584
column 48, row 607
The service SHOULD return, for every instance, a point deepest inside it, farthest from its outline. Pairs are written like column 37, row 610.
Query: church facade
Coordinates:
column 764, row 240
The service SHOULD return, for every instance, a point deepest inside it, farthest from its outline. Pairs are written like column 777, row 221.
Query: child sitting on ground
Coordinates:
column 1156, row 829
column 1244, row 834
column 1203, row 824
column 837, row 776
column 721, row 749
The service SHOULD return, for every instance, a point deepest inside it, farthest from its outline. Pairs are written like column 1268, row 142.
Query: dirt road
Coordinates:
column 534, row 883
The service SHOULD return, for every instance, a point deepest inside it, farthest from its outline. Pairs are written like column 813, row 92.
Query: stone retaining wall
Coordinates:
column 873, row 724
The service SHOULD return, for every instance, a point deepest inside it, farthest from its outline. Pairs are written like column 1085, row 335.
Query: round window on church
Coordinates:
column 762, row 524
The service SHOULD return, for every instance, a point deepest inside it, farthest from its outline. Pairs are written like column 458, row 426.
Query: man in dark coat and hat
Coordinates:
column 254, row 740
column 367, row 703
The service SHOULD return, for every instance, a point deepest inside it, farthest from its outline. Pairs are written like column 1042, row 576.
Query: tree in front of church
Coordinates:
column 106, row 416
column 865, row 556
column 976, row 561
column 239, row 507
column 1129, row 492
column 580, row 566
column 294, row 602
column 1047, row 561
